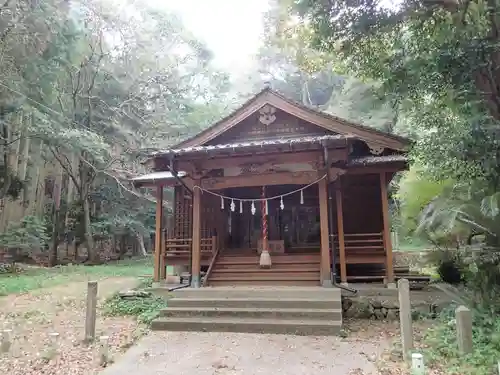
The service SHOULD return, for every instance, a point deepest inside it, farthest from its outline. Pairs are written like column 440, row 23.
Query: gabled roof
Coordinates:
column 318, row 118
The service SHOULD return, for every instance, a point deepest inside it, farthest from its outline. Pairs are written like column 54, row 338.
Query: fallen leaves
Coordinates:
column 33, row 317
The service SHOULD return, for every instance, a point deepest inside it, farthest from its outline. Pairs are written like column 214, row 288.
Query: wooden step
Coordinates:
column 258, row 270
column 263, row 276
column 275, row 266
column 264, row 282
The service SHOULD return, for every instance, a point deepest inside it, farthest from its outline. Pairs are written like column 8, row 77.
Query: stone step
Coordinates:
column 262, row 292
column 253, row 312
column 297, row 327
column 259, row 303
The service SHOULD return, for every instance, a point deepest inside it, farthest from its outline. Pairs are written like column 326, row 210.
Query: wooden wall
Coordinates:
column 362, row 205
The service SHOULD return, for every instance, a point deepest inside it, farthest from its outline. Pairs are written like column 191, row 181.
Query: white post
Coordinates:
column 417, row 364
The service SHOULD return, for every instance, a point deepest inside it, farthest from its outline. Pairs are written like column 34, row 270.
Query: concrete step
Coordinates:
column 297, row 327
column 261, row 313
column 258, row 303
column 263, row 292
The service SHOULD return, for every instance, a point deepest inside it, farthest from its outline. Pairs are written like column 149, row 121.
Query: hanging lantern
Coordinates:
column 221, row 203
column 253, row 208
column 282, row 205
column 233, row 206
column 302, row 197
column 241, row 207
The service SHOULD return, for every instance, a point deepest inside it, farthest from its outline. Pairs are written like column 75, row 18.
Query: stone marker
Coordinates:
column 464, row 329
column 5, row 343
column 90, row 317
column 103, row 353
column 54, row 336
column 405, row 317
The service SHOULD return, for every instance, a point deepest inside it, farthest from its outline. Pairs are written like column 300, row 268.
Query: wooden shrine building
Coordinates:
column 308, row 188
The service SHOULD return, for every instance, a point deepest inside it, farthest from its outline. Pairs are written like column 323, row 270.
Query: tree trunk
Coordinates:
column 56, row 196
column 142, row 248
column 123, row 246
column 92, row 252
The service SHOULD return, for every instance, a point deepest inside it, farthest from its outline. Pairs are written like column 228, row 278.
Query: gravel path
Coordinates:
column 231, row 353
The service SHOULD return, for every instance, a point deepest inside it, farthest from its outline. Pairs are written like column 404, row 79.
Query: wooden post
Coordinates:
column 158, row 233
column 90, row 317
column 405, row 317
column 340, row 230
column 196, row 240
column 163, row 266
column 325, row 240
column 464, row 329
column 103, row 351
column 389, row 268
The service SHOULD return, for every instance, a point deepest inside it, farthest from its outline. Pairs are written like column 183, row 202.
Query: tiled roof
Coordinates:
column 372, row 160
column 250, row 144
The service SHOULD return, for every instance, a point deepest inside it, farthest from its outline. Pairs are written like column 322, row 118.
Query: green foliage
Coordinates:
column 30, row 232
column 145, row 309
column 415, row 190
column 36, row 278
column 442, row 348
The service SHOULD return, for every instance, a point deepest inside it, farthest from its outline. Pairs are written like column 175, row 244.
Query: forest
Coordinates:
column 87, row 92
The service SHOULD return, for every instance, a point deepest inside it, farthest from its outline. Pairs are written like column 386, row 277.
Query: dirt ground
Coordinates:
column 33, row 316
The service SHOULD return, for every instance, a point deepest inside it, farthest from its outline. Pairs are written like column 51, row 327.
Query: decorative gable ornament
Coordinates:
column 267, row 115
column 376, row 149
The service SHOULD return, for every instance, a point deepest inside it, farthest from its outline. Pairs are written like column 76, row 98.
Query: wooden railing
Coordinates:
column 210, row 267
column 363, row 248
column 182, row 246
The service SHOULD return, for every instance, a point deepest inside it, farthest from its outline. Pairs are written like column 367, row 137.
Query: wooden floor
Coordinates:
column 241, row 267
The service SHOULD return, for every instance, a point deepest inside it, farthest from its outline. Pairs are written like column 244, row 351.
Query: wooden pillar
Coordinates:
column 163, row 266
column 389, row 268
column 196, row 239
column 158, row 233
column 340, row 230
column 325, row 240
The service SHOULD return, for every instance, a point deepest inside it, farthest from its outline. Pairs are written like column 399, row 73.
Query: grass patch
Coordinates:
column 145, row 309
column 442, row 348
column 35, row 278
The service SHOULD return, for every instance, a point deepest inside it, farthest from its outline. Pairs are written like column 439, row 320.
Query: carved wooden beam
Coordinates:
column 268, row 179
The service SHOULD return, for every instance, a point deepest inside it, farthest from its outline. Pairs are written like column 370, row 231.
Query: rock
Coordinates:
column 134, row 293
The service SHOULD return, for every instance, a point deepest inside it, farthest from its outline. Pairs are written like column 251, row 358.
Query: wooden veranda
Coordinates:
column 276, row 177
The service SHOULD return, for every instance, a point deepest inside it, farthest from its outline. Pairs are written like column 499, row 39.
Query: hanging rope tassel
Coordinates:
column 241, row 207
column 253, row 208
column 302, row 197
column 221, row 203
column 282, row 205
column 233, row 206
